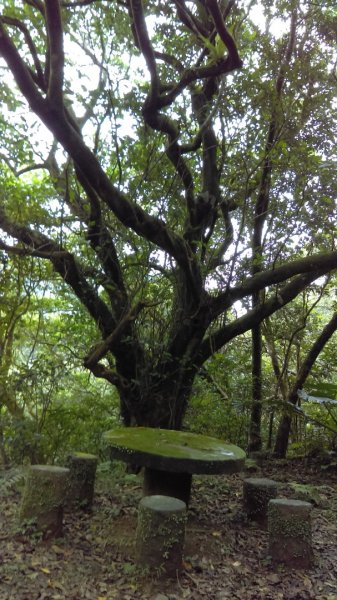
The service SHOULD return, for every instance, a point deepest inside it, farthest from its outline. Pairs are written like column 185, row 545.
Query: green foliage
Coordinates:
column 220, row 406
column 322, row 389
column 77, row 415
column 217, row 50
column 129, row 219
column 209, row 415
column 49, row 405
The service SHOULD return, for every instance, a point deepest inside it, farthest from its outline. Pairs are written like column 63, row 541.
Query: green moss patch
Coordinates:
column 174, row 450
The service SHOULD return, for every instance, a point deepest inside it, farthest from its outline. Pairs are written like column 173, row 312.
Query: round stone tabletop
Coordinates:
column 174, row 451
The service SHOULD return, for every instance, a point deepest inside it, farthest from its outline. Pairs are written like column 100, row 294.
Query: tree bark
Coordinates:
column 3, row 454
column 155, row 391
column 255, row 438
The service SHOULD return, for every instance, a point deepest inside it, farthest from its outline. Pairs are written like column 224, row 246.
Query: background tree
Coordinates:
column 48, row 402
column 13, row 306
column 282, row 438
column 289, row 338
column 145, row 192
column 262, row 203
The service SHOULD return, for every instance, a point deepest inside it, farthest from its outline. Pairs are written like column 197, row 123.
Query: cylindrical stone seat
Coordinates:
column 82, row 475
column 43, row 498
column 160, row 535
column 257, row 491
column 289, row 526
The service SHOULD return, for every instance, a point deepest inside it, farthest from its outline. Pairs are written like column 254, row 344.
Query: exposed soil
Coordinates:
column 226, row 557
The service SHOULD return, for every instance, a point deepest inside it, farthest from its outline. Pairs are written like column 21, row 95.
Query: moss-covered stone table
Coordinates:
column 171, row 457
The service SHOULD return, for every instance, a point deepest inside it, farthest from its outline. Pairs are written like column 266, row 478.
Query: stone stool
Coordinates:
column 43, row 499
column 257, row 491
column 82, row 474
column 289, row 527
column 160, row 535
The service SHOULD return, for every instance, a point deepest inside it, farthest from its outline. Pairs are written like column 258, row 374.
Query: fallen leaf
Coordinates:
column 57, row 549
column 35, row 562
column 274, row 578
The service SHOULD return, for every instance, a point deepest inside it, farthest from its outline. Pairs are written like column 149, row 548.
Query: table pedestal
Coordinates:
column 165, row 483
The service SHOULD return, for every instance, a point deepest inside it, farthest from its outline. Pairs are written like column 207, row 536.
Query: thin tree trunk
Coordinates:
column 255, row 439
column 260, row 217
column 3, row 454
column 270, row 430
column 282, row 438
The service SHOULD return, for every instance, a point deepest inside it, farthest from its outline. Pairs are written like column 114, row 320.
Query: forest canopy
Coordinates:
column 172, row 166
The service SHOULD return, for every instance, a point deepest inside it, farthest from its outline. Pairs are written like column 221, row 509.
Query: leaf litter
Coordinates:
column 226, row 556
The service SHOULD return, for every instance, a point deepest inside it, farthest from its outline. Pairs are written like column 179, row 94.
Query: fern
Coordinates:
column 11, row 480
column 217, row 50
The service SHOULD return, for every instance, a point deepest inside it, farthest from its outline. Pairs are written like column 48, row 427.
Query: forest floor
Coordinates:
column 226, row 557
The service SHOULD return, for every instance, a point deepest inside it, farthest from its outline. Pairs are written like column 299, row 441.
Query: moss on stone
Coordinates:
column 43, row 498
column 174, row 450
column 81, row 478
column 85, row 456
column 160, row 534
column 305, row 492
column 290, row 532
column 257, row 491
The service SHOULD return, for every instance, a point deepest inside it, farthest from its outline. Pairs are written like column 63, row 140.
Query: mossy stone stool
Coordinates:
column 257, row 491
column 43, row 498
column 82, row 475
column 160, row 535
column 289, row 525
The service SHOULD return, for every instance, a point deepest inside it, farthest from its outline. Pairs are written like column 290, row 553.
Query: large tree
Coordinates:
column 172, row 161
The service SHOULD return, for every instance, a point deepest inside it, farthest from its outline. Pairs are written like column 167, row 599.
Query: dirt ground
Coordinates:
column 226, row 557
